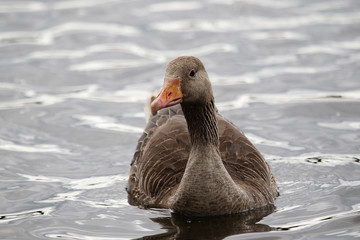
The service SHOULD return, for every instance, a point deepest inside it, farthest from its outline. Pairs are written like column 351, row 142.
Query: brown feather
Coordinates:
column 163, row 150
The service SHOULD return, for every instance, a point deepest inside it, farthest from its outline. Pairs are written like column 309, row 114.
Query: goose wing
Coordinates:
column 160, row 159
column 163, row 150
column 245, row 163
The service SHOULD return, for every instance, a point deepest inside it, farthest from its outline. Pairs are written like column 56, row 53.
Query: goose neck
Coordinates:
column 202, row 124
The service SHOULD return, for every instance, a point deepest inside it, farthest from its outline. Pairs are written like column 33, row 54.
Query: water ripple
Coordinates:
column 314, row 49
column 268, row 4
column 9, row 217
column 279, row 144
column 276, row 59
column 262, row 48
column 35, row 99
column 255, row 23
column 344, row 49
column 154, row 56
column 64, row 5
column 173, row 6
column 33, row 148
column 344, row 233
column 35, row 6
column 10, row 7
column 107, row 123
column 75, row 196
column 106, row 64
column 221, row 80
column 79, row 186
column 150, row 56
column 345, row 183
column 318, row 220
column 289, row 97
column 84, row 92
column 330, row 160
column 275, row 35
column 345, row 125
column 79, row 236
column 268, row 72
column 325, row 6
column 38, row 100
column 159, row 56
column 129, row 48
column 47, row 36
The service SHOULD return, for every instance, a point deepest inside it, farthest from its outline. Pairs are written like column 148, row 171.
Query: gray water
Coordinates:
column 74, row 78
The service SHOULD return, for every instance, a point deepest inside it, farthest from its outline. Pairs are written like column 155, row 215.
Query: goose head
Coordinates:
column 186, row 81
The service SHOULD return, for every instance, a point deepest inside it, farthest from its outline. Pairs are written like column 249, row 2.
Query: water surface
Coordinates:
column 74, row 79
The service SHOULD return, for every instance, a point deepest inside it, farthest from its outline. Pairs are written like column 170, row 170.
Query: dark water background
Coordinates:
column 74, row 76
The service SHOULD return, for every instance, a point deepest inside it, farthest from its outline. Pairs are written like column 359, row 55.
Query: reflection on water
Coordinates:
column 180, row 227
column 74, row 79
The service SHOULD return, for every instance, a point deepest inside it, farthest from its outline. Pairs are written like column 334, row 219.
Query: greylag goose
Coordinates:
column 190, row 158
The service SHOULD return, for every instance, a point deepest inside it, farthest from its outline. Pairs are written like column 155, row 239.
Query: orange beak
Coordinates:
column 170, row 94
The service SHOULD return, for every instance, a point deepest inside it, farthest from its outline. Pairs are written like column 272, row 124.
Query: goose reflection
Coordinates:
column 218, row 227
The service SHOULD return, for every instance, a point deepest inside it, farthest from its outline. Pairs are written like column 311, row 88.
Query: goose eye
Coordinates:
column 192, row 73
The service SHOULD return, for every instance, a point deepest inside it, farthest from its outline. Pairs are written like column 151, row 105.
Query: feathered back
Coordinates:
column 163, row 150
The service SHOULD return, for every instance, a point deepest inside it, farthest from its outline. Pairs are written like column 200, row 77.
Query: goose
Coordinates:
column 192, row 160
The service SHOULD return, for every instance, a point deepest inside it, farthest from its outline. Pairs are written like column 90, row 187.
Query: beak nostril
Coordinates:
column 170, row 94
